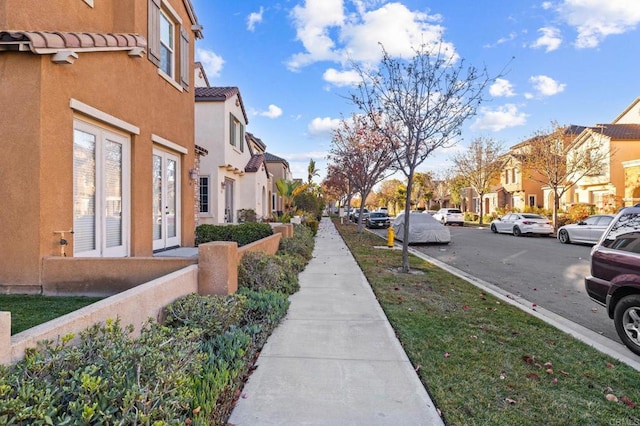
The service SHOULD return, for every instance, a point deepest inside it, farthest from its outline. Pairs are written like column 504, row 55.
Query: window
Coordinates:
column 506, row 176
column 100, row 192
column 514, row 176
column 532, row 200
column 204, row 194
column 236, row 132
column 165, row 29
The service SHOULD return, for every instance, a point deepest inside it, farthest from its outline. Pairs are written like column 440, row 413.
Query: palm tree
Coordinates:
column 312, row 171
column 288, row 190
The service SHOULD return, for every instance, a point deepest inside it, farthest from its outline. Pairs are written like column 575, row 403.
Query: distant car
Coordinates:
column 586, row 231
column 423, row 228
column 614, row 280
column 519, row 224
column 377, row 220
column 449, row 216
column 356, row 214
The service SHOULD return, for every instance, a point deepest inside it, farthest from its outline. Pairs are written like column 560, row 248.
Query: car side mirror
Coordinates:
column 582, row 222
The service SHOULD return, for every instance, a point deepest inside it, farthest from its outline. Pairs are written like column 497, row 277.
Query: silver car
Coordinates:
column 586, row 231
column 522, row 223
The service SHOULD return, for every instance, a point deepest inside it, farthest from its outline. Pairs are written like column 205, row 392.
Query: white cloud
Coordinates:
column 305, row 156
column 323, row 126
column 500, row 118
column 546, row 86
column 211, row 62
column 547, row 5
column 327, row 32
column 596, row 19
column 313, row 22
column 254, row 18
column 272, row 112
column 501, row 88
column 341, row 78
column 512, row 36
column 550, row 39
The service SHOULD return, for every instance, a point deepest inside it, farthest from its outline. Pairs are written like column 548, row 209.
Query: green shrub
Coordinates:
column 300, row 244
column 260, row 271
column 108, row 378
column 243, row 233
column 313, row 225
column 211, row 314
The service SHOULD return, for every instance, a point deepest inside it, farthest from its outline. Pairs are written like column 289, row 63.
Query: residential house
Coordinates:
column 97, row 124
column 617, row 183
column 279, row 169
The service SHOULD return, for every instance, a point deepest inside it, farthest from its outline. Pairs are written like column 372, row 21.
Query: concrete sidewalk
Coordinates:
column 335, row 359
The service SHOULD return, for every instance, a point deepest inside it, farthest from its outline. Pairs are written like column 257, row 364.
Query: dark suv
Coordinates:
column 615, row 275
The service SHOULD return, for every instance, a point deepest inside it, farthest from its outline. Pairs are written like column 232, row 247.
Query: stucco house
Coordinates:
column 235, row 178
column 97, row 115
column 279, row 169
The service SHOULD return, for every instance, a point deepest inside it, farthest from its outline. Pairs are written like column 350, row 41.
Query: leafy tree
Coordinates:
column 312, row 171
column 288, row 190
column 338, row 185
column 362, row 151
column 388, row 193
column 427, row 98
column 480, row 165
column 551, row 158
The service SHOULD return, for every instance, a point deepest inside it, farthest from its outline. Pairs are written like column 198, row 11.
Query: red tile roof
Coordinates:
column 254, row 163
column 44, row 42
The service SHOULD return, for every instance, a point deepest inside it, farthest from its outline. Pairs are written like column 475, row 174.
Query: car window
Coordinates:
column 624, row 234
column 531, row 216
column 604, row 220
column 454, row 211
column 591, row 220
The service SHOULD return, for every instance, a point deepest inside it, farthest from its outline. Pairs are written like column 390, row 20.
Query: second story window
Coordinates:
column 168, row 42
column 167, row 49
column 236, row 132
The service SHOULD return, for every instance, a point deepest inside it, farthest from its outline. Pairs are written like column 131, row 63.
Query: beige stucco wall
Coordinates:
column 37, row 175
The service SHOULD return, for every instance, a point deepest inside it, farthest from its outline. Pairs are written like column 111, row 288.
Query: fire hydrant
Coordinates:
column 390, row 237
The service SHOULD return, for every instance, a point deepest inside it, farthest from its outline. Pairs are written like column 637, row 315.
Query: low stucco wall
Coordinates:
column 102, row 277
column 134, row 306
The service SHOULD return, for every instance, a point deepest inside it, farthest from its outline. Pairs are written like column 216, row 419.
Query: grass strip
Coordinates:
column 485, row 362
column 30, row 310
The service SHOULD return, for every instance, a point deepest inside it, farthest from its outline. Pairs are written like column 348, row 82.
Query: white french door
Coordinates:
column 166, row 200
column 101, row 200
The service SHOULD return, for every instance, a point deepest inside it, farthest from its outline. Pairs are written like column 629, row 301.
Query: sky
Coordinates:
column 568, row 61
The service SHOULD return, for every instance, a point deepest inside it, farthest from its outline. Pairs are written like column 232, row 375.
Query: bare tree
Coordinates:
column 480, row 165
column 552, row 158
column 361, row 150
column 427, row 98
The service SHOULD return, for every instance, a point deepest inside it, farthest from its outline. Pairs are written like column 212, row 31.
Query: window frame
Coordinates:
column 208, row 194
column 102, row 136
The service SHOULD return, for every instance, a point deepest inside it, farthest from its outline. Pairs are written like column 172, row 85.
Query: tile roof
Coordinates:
column 46, row 42
column 217, row 94
column 274, row 158
column 618, row 131
column 254, row 163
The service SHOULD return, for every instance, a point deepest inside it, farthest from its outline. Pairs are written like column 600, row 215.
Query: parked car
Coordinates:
column 448, row 216
column 587, row 231
column 423, row 228
column 614, row 280
column 356, row 214
column 522, row 223
column 377, row 220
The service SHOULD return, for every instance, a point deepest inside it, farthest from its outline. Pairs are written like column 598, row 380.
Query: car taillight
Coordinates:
column 526, row 222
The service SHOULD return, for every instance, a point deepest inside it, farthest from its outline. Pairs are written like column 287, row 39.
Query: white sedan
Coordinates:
column 522, row 223
column 423, row 228
column 587, row 231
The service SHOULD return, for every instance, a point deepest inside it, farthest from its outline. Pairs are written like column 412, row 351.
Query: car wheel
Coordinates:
column 493, row 229
column 626, row 318
column 563, row 237
column 517, row 232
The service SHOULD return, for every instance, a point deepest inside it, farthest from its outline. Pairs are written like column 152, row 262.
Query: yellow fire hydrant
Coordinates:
column 390, row 237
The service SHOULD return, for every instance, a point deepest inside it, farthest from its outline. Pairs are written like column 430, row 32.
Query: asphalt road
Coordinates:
column 539, row 269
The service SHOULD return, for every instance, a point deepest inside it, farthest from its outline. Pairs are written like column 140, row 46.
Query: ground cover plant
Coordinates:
column 30, row 310
column 188, row 368
column 485, row 362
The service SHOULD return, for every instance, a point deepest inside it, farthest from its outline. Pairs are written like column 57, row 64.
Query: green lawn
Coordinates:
column 485, row 362
column 30, row 310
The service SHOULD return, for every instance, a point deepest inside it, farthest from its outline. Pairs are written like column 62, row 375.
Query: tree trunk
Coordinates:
column 481, row 209
column 405, row 239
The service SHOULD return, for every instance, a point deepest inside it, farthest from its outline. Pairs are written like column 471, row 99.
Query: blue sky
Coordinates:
column 572, row 61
